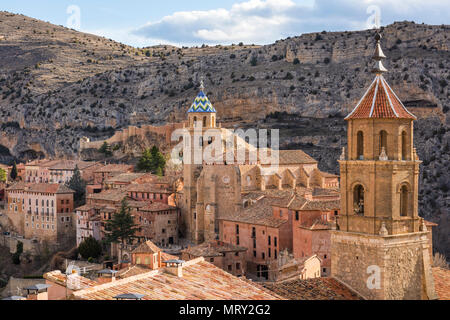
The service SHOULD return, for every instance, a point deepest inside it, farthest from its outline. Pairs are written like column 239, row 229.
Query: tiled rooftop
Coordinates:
column 213, row 248
column 53, row 188
column 76, row 283
column 312, row 289
column 200, row 281
column 124, row 178
column 147, row 247
column 156, row 206
column 259, row 213
column 115, row 168
column 109, row 195
column 442, row 283
column 380, row 101
column 294, row 157
column 147, row 187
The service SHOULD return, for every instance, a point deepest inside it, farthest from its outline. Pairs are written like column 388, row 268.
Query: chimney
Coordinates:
column 175, row 267
column 106, row 276
column 37, row 292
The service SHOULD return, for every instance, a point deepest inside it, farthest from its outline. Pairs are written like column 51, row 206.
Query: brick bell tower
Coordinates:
column 201, row 117
column 380, row 248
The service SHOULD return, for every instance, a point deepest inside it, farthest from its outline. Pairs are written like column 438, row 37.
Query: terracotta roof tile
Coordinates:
column 259, row 213
column 147, row 247
column 214, row 248
column 78, row 282
column 380, row 101
column 312, row 289
column 200, row 281
column 53, row 188
column 442, row 283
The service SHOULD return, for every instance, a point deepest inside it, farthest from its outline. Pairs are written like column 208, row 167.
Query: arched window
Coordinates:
column 383, row 141
column 249, row 180
column 212, row 121
column 360, row 145
column 195, row 121
column 358, row 200
column 404, row 201
column 204, row 121
column 404, row 146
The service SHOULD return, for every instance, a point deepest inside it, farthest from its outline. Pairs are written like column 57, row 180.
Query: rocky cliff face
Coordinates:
column 57, row 85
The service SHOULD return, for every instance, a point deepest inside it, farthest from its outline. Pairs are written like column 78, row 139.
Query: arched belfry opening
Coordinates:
column 404, row 201
column 358, row 199
column 383, row 142
column 404, row 146
column 360, row 145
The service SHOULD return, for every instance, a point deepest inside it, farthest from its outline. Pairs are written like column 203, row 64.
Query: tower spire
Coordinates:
column 378, row 56
column 202, row 84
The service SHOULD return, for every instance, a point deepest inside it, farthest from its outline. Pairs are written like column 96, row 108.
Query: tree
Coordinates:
column 2, row 175
column 14, row 171
column 152, row 160
column 158, row 159
column 105, row 149
column 121, row 228
column 19, row 250
column 77, row 184
column 90, row 248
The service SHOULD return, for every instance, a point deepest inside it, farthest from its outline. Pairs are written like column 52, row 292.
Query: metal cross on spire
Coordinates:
column 378, row 57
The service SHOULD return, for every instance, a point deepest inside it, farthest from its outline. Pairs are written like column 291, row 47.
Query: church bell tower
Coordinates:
column 380, row 248
column 201, row 117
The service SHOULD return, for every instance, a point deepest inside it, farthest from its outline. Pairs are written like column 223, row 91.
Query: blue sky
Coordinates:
column 144, row 23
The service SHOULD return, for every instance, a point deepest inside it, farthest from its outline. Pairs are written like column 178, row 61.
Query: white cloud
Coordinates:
column 264, row 21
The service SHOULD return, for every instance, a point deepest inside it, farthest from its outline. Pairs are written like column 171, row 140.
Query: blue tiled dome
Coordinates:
column 201, row 104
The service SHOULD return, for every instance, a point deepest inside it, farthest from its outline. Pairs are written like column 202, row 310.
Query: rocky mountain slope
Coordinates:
column 57, row 85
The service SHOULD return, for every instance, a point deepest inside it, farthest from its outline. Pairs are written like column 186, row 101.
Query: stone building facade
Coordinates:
column 42, row 211
column 213, row 187
column 381, row 248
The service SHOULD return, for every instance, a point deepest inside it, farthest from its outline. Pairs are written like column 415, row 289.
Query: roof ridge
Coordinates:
column 389, row 98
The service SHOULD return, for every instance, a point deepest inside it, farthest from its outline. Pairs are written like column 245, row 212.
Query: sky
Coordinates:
column 142, row 23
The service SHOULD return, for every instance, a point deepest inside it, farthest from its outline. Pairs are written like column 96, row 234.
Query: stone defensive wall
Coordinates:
column 123, row 135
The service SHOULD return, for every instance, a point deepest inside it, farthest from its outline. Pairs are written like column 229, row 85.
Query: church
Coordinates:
column 213, row 189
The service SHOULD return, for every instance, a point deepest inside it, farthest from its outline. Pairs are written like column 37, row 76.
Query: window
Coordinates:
column 237, row 240
column 275, row 241
column 404, row 201
column 275, row 253
column 204, row 121
column 281, row 213
column 254, row 254
column 296, row 215
column 236, row 254
column 211, row 260
column 404, row 146
column 268, row 240
column 254, row 243
column 358, row 199
column 238, row 266
column 253, row 232
column 230, row 267
column 360, row 145
column 324, row 270
column 237, row 229
column 269, row 253
column 324, row 256
column 138, row 260
column 263, row 255
column 383, row 141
